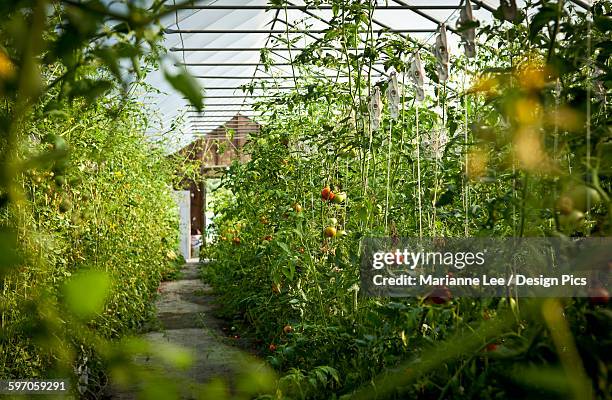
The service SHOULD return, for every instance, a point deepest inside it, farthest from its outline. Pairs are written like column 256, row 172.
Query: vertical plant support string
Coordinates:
column 418, row 154
column 388, row 174
column 589, row 18
column 466, row 188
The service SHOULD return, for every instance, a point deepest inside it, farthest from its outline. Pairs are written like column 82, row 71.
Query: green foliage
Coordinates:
column 518, row 146
column 86, row 293
column 88, row 226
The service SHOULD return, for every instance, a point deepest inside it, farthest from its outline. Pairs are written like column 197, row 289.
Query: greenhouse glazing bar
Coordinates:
column 320, row 7
column 272, row 77
column 240, row 88
column 235, row 49
column 218, row 111
column 282, row 31
column 417, row 10
column 221, row 64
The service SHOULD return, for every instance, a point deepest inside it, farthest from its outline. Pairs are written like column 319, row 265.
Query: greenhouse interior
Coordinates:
column 306, row 199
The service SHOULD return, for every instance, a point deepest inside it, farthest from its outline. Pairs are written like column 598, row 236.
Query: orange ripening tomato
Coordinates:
column 288, row 329
column 330, row 231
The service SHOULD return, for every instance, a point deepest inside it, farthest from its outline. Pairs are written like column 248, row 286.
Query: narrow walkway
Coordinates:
column 185, row 312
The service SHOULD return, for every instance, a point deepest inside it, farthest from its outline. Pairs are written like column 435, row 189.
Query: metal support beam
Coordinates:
column 270, row 77
column 280, row 31
column 207, row 106
column 215, row 127
column 228, row 122
column 236, row 110
column 484, row 5
column 229, row 118
column 240, row 88
column 582, row 4
column 304, row 8
column 230, row 49
column 426, row 16
column 236, row 96
column 226, row 64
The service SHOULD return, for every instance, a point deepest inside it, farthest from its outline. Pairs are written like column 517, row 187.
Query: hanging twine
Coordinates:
column 393, row 99
column 589, row 18
column 418, row 157
column 417, row 74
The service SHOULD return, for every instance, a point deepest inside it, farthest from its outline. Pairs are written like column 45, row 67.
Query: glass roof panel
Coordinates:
column 221, row 46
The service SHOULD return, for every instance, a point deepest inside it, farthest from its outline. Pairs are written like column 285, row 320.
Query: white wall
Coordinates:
column 183, row 201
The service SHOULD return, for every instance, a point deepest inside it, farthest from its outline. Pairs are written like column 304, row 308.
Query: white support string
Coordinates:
column 418, row 153
column 388, row 173
column 588, row 90
column 466, row 198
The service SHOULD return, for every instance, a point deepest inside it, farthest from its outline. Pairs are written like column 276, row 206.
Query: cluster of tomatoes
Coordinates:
column 328, row 195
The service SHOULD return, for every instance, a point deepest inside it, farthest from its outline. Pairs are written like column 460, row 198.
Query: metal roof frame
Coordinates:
column 306, row 7
column 281, row 52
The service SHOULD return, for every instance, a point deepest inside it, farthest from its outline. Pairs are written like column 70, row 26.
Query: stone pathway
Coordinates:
column 185, row 312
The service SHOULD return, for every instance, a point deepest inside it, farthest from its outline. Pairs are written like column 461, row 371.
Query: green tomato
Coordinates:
column 339, row 198
column 583, row 197
column 572, row 220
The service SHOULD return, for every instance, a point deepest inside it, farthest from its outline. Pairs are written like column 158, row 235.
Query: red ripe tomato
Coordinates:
column 439, row 295
column 272, row 347
column 598, row 295
column 325, row 193
column 492, row 347
column 332, row 196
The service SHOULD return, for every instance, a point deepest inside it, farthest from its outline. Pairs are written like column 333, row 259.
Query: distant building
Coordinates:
column 215, row 151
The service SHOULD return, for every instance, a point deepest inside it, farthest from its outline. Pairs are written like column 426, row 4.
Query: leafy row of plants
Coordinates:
column 88, row 226
column 527, row 128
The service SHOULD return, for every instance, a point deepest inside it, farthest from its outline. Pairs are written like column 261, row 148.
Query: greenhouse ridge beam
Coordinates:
column 321, row 7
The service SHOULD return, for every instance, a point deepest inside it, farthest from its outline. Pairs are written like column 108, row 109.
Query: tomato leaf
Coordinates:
column 186, row 84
